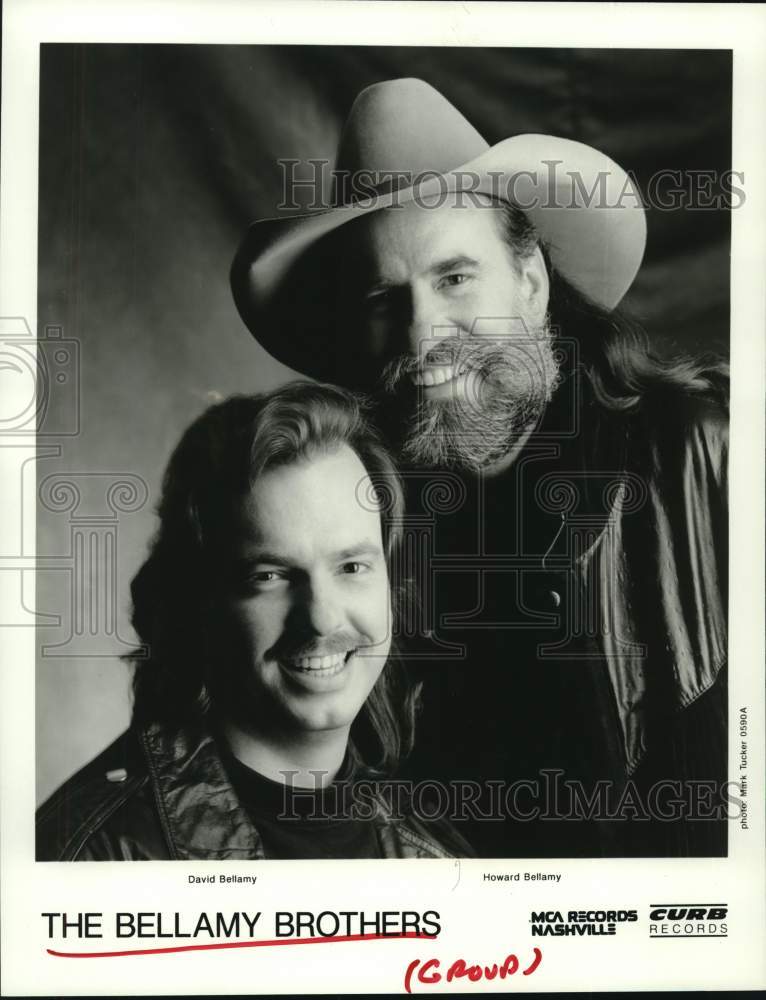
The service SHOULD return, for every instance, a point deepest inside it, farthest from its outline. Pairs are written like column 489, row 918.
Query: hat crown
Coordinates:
column 399, row 127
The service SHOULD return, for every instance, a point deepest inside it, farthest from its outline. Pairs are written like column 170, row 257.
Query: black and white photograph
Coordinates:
column 530, row 308
column 371, row 546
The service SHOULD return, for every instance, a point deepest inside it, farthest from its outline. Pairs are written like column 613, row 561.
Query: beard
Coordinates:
column 509, row 382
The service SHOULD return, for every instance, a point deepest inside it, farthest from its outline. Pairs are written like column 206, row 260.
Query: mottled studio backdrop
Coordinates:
column 153, row 159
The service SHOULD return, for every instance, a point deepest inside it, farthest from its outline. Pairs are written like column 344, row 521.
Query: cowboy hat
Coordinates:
column 586, row 209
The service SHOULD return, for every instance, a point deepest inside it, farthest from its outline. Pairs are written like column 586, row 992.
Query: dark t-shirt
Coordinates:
column 302, row 822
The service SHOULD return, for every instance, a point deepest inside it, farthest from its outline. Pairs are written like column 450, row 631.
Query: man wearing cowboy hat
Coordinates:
column 573, row 564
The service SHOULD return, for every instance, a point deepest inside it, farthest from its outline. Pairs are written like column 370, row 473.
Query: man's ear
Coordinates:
column 534, row 285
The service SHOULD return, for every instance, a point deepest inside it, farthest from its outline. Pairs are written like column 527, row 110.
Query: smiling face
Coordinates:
column 301, row 623
column 456, row 324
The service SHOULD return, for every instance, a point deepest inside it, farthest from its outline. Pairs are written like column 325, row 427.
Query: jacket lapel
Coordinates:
column 201, row 815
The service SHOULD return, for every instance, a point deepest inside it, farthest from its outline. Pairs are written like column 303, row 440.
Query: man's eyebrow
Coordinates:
column 445, row 266
column 355, row 551
column 377, row 283
column 258, row 557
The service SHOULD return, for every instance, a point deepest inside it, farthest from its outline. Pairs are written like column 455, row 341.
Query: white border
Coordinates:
column 478, row 925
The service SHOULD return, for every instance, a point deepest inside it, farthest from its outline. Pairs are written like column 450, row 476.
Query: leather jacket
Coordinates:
column 161, row 795
column 587, row 624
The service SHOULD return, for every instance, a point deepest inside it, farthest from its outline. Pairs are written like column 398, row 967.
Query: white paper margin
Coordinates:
column 481, row 921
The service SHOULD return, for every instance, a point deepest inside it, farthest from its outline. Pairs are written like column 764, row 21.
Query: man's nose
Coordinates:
column 428, row 322
column 321, row 608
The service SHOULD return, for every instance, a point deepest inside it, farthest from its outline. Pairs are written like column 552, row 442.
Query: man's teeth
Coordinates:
column 434, row 375
column 320, row 662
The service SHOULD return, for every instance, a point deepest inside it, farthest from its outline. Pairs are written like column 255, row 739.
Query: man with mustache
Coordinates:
column 568, row 487
column 267, row 706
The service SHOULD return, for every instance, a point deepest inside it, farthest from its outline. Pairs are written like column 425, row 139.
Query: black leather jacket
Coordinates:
column 157, row 795
column 587, row 624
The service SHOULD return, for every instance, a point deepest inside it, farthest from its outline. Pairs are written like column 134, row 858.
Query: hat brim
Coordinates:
column 586, row 209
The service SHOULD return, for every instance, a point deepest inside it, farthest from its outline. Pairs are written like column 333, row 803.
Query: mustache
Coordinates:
column 450, row 351
column 510, row 381
column 489, row 356
column 338, row 642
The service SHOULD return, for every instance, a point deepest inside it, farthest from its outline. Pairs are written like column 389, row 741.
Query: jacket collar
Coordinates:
column 201, row 815
column 572, row 473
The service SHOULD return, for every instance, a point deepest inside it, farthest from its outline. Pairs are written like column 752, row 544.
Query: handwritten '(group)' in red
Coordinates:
column 428, row 972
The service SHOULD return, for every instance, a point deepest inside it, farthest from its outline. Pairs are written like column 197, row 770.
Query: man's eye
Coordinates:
column 265, row 576
column 451, row 280
column 378, row 301
column 353, row 568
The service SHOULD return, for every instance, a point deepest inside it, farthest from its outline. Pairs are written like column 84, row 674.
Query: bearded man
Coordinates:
column 567, row 488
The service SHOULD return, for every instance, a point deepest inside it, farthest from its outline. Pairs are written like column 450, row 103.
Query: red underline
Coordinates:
column 239, row 944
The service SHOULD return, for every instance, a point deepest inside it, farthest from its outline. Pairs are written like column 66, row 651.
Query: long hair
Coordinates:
column 218, row 458
column 614, row 350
